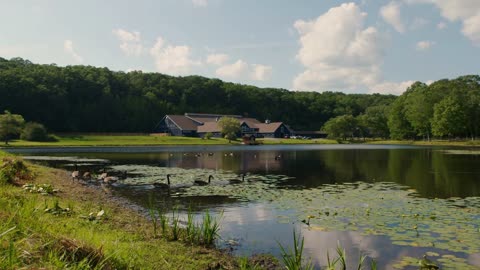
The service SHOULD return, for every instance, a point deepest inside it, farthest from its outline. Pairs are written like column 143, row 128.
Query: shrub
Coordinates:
column 208, row 135
column 35, row 132
column 14, row 170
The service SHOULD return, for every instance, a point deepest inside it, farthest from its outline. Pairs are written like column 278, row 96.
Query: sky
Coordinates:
column 366, row 46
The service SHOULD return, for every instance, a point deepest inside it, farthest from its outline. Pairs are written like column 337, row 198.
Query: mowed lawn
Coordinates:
column 116, row 140
column 138, row 140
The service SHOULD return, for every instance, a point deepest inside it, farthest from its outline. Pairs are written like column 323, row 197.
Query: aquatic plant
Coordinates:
column 151, row 213
column 175, row 226
column 293, row 258
column 192, row 229
column 210, row 228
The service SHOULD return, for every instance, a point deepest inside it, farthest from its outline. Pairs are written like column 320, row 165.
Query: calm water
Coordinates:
column 392, row 203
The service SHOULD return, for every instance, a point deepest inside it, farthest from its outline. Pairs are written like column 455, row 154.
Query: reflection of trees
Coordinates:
column 454, row 175
column 432, row 173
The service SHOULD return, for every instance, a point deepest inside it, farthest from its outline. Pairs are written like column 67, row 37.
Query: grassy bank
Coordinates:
column 467, row 143
column 81, row 227
column 143, row 140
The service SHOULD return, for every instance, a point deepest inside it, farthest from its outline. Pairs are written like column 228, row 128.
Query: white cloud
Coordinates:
column 68, row 48
column 466, row 11
column 391, row 14
column 338, row 52
column 130, row 42
column 174, row 60
column 200, row 3
column 233, row 71
column 217, row 59
column 471, row 28
column 242, row 70
column 261, row 72
column 424, row 45
column 418, row 23
column 391, row 87
column 441, row 25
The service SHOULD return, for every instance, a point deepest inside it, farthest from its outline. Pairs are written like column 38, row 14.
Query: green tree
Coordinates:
column 230, row 127
column 34, row 132
column 341, row 127
column 375, row 121
column 450, row 117
column 10, row 126
column 398, row 124
column 419, row 109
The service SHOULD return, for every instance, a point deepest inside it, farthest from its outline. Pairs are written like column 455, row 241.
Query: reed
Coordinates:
column 153, row 217
column 210, row 229
column 175, row 226
column 293, row 258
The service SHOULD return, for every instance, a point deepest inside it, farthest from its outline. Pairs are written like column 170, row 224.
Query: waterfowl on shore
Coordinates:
column 163, row 185
column 75, row 173
column 103, row 175
column 237, row 181
column 110, row 179
column 199, row 182
column 86, row 176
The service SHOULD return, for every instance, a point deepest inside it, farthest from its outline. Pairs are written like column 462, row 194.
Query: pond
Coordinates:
column 391, row 203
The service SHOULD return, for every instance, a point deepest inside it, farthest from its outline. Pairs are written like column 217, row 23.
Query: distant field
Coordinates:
column 112, row 140
column 432, row 143
column 137, row 140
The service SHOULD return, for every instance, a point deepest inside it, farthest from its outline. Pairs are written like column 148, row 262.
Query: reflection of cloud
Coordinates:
column 255, row 213
column 474, row 259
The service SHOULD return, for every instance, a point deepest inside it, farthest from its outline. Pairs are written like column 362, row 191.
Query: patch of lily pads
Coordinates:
column 449, row 225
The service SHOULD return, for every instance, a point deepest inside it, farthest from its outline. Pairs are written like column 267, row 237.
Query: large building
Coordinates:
column 199, row 124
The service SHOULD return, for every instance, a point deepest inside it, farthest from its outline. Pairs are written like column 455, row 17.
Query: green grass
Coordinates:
column 69, row 231
column 466, row 143
column 296, row 141
column 117, row 140
column 139, row 140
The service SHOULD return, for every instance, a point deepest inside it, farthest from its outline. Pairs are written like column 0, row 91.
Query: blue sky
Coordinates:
column 312, row 45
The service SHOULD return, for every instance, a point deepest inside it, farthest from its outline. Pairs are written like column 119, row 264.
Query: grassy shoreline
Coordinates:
column 60, row 231
column 146, row 140
column 151, row 140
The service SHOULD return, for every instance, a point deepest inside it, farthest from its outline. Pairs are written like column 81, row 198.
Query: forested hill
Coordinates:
column 91, row 99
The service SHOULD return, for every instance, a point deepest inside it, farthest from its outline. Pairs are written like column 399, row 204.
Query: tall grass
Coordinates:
column 175, row 225
column 210, row 229
column 293, row 258
column 151, row 213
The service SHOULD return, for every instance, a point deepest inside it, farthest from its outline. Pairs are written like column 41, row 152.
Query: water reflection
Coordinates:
column 257, row 224
column 431, row 171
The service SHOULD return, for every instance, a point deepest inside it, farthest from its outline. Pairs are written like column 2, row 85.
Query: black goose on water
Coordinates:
column 199, row 182
column 163, row 185
column 237, row 181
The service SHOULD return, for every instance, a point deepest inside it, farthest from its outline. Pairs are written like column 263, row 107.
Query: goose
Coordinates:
column 110, row 179
column 237, row 181
column 86, row 176
column 103, row 175
column 163, row 185
column 199, row 182
column 75, row 173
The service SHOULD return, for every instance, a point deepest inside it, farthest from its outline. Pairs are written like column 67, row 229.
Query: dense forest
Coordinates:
column 91, row 99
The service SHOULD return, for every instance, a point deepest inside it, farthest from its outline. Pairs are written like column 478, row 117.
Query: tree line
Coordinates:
column 92, row 99
column 444, row 109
